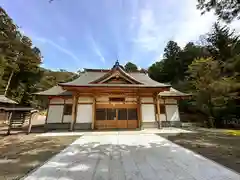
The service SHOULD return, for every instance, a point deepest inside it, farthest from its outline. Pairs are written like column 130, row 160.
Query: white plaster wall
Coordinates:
column 148, row 112
column 172, row 113
column 168, row 101
column 147, row 99
column 84, row 113
column 69, row 101
column 67, row 118
column 56, row 101
column 162, row 117
column 85, row 99
column 55, row 114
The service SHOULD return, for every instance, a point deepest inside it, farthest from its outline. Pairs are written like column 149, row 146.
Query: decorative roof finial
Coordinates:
column 117, row 63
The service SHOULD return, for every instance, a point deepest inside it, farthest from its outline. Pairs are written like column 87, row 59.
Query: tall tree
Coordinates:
column 21, row 60
column 212, row 91
column 226, row 10
column 223, row 43
column 130, row 67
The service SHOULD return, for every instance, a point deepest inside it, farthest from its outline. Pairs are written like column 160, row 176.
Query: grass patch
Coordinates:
column 233, row 132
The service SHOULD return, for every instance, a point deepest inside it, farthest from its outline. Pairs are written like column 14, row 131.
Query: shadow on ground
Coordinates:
column 20, row 153
column 217, row 146
column 153, row 160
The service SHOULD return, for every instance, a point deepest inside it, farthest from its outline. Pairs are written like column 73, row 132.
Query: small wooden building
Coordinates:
column 112, row 99
column 4, row 104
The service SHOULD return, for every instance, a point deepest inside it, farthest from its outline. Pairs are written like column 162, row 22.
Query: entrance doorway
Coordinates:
column 116, row 117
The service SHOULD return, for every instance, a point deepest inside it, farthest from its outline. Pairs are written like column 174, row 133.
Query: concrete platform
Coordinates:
column 141, row 156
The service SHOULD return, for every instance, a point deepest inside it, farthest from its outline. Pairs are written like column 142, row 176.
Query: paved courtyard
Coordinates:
column 130, row 156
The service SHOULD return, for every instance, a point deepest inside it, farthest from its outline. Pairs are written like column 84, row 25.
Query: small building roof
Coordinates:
column 18, row 108
column 4, row 99
column 173, row 93
column 54, row 91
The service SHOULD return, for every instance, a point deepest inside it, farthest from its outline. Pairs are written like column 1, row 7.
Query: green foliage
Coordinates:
column 210, row 72
column 226, row 10
column 20, row 72
column 130, row 67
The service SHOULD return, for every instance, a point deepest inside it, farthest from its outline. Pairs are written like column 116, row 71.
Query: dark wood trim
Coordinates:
column 63, row 110
column 165, row 109
column 60, row 97
column 74, row 112
column 147, row 103
column 158, row 112
column 116, row 105
column 45, row 127
column 93, row 112
column 139, row 112
column 155, row 109
column 169, row 103
column 57, row 104
column 85, row 103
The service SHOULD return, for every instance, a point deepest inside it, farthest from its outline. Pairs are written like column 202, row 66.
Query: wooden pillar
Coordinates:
column 32, row 115
column 45, row 125
column 10, row 123
column 158, row 112
column 74, row 111
column 93, row 112
column 139, row 112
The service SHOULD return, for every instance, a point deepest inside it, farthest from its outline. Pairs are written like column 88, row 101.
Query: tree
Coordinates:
column 130, row 67
column 20, row 60
column 223, row 43
column 212, row 91
column 226, row 10
column 210, row 71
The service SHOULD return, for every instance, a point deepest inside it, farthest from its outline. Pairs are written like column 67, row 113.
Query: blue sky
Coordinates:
column 80, row 34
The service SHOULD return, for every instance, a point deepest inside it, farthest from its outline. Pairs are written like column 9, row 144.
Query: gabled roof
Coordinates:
column 95, row 78
column 4, row 99
column 87, row 77
column 117, row 70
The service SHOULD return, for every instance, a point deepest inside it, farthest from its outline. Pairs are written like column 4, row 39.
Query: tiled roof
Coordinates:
column 90, row 76
column 55, row 91
column 173, row 93
column 4, row 99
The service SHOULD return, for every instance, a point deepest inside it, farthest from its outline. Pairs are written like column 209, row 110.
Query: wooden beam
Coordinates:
column 45, row 124
column 155, row 109
column 74, row 111
column 10, row 123
column 158, row 112
column 139, row 112
column 93, row 112
column 63, row 110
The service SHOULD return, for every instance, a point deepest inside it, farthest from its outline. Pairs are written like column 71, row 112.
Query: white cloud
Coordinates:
column 96, row 48
column 171, row 20
column 60, row 48
column 193, row 24
column 148, row 35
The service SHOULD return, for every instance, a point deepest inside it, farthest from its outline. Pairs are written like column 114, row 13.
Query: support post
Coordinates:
column 74, row 111
column 93, row 112
column 10, row 123
column 30, row 122
column 45, row 125
column 139, row 112
column 158, row 112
